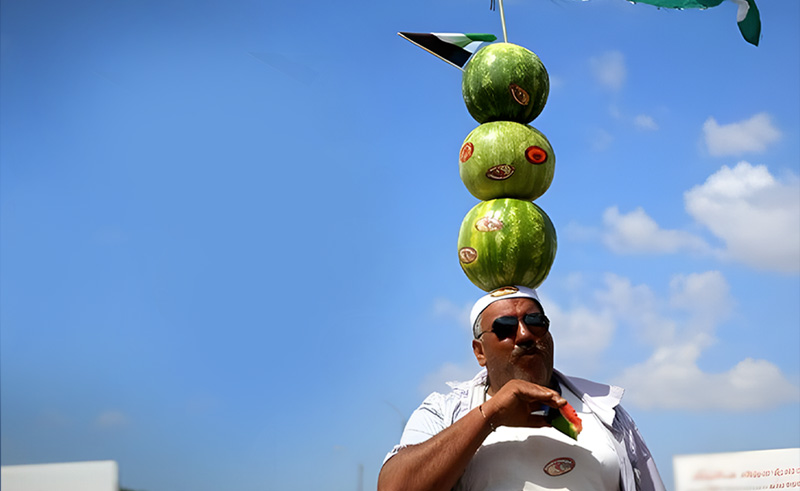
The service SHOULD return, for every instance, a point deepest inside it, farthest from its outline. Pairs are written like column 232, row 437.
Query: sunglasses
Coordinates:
column 506, row 326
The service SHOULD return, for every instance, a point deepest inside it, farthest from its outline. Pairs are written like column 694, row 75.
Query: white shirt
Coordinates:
column 539, row 459
column 637, row 470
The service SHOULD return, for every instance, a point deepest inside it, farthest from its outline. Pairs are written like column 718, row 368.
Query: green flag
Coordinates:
column 748, row 18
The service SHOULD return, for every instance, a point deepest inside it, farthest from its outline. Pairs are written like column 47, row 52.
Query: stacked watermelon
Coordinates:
column 506, row 239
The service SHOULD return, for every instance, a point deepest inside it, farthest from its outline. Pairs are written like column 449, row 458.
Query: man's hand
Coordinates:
column 516, row 400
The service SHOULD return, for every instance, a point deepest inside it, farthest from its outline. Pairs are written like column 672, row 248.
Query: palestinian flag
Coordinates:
column 453, row 48
column 747, row 17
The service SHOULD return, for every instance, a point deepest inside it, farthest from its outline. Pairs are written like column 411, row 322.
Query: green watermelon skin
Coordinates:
column 567, row 421
column 494, row 150
column 506, row 242
column 561, row 424
column 505, row 82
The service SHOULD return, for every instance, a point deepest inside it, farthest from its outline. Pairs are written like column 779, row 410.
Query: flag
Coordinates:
column 747, row 16
column 749, row 20
column 453, row 48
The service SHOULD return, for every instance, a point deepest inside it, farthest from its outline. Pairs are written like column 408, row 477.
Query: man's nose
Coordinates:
column 529, row 334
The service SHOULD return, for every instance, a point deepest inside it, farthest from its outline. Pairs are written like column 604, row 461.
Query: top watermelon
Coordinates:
column 505, row 82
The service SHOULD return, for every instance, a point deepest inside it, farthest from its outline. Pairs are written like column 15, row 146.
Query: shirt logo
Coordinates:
column 559, row 467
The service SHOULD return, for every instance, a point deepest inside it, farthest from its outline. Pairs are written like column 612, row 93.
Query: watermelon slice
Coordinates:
column 566, row 421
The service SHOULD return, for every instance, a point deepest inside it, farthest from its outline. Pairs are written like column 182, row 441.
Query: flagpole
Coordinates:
column 503, row 21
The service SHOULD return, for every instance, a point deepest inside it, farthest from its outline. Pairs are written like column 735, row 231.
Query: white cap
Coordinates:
column 500, row 294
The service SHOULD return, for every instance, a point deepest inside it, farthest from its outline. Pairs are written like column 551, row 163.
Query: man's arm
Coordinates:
column 438, row 463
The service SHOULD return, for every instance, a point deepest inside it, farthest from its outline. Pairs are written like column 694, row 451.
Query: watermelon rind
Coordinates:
column 566, row 420
column 561, row 424
column 505, row 82
column 506, row 242
column 503, row 144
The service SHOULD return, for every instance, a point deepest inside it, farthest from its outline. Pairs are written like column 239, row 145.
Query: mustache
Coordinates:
column 529, row 349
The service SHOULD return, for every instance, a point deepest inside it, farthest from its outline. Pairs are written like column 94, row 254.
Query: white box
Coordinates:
column 738, row 471
column 73, row 476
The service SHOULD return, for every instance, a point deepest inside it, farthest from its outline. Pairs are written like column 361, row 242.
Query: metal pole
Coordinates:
column 503, row 20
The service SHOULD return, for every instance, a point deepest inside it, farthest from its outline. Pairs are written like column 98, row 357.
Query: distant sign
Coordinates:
column 74, row 476
column 738, row 471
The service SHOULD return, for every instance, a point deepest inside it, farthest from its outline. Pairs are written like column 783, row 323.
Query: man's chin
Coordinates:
column 533, row 369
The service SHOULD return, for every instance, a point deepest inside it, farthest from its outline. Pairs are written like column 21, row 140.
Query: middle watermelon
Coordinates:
column 504, row 159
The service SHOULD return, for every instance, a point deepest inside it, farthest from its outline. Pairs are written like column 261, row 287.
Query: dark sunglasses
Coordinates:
column 506, row 326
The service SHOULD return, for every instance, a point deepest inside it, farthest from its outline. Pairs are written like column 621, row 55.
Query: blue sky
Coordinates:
column 228, row 230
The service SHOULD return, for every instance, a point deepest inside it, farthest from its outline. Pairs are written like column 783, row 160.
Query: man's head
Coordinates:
column 512, row 337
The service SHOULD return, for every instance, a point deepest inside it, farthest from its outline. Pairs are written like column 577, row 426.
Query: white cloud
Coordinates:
column 582, row 332
column 577, row 232
column 111, row 419
column 443, row 307
column 677, row 328
column 671, row 378
column 556, row 82
column 751, row 135
column 754, row 214
column 573, row 281
column 641, row 121
column 696, row 305
column 637, row 232
column 448, row 372
column 609, row 69
column 600, row 140
column 645, row 122
column 585, row 330
column 635, row 305
column 705, row 296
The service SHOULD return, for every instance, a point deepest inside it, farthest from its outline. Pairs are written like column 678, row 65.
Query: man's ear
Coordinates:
column 477, row 348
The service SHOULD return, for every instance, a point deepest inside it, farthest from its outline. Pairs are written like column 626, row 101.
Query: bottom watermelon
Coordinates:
column 506, row 242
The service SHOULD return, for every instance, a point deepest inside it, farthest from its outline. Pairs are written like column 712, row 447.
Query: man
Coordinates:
column 492, row 434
